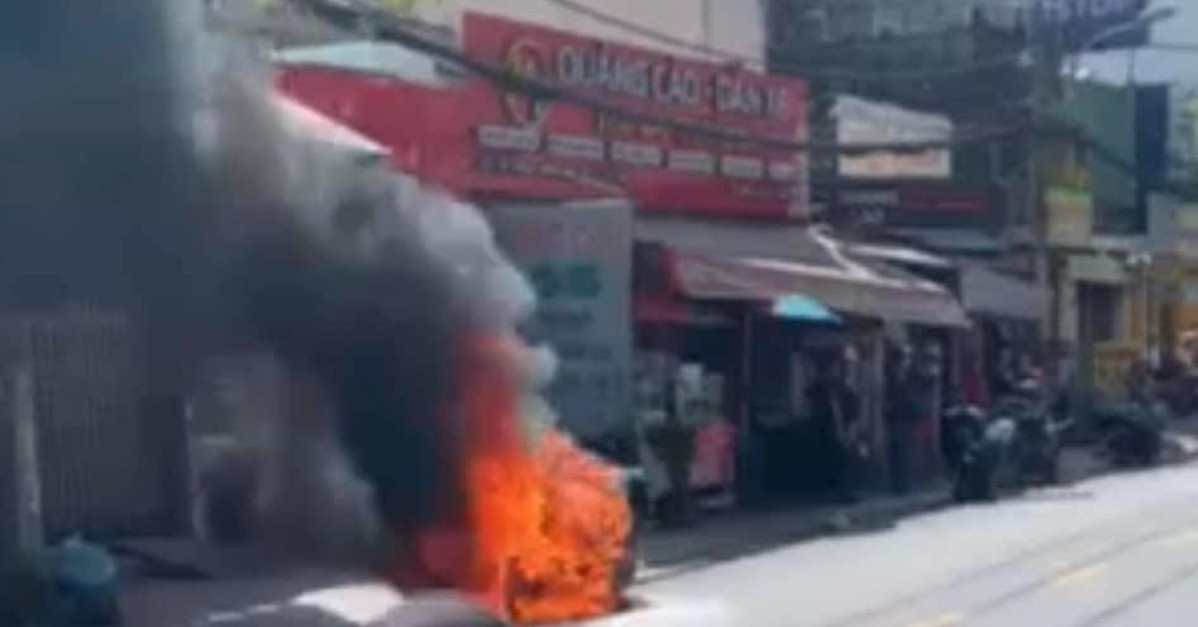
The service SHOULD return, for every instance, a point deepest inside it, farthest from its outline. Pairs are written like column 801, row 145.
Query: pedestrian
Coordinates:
column 835, row 409
column 674, row 443
column 902, row 417
column 924, row 387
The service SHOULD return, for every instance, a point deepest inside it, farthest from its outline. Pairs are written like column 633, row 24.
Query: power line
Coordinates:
column 611, row 19
column 357, row 16
column 819, row 97
column 354, row 16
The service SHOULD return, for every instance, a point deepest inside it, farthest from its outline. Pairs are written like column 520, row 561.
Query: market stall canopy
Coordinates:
column 764, row 262
column 987, row 292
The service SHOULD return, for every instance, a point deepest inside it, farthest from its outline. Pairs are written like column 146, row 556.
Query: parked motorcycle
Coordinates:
column 978, row 450
column 1016, row 445
column 1132, row 434
column 1039, row 434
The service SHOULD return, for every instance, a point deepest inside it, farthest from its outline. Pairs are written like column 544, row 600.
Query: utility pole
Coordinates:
column 1046, row 48
column 20, row 494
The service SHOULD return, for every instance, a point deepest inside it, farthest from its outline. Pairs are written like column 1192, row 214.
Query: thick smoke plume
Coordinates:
column 146, row 170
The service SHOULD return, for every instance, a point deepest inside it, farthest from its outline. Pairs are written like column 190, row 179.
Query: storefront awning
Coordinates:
column 857, row 291
column 987, row 292
column 767, row 261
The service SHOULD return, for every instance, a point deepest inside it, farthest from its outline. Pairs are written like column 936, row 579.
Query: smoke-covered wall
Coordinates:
column 146, row 170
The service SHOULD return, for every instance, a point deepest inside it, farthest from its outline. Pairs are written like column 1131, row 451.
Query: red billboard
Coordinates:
column 477, row 140
column 664, row 168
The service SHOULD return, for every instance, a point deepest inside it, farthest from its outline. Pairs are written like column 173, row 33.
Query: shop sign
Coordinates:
column 578, row 257
column 861, row 121
column 1070, row 216
column 908, row 205
column 533, row 140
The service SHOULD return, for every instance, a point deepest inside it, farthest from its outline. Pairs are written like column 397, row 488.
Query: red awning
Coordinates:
column 664, row 310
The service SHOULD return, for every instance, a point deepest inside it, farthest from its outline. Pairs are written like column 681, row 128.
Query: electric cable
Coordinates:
column 611, row 19
column 355, row 15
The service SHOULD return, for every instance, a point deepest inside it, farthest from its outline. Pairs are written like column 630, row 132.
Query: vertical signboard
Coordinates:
column 1070, row 216
column 578, row 257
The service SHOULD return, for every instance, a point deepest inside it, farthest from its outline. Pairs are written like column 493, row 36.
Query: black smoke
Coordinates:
column 104, row 200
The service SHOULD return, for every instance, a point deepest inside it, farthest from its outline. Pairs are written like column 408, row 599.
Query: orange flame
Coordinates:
column 546, row 527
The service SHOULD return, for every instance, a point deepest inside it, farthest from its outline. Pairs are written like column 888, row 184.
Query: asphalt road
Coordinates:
column 1118, row 551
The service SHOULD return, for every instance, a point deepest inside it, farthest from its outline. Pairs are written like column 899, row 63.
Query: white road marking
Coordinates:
column 1079, row 577
column 943, row 620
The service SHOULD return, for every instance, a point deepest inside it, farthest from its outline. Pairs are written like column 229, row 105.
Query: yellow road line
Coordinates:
column 1079, row 576
column 943, row 620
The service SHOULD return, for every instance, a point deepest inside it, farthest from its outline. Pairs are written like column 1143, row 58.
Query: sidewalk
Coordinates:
column 665, row 553
column 266, row 595
column 250, row 590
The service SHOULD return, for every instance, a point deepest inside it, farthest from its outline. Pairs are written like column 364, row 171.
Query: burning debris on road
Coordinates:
column 547, row 526
column 231, row 233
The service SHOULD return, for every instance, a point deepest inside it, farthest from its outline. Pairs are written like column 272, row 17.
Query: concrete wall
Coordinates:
column 735, row 26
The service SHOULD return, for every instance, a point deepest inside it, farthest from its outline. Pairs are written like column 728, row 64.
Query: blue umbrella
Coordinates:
column 805, row 308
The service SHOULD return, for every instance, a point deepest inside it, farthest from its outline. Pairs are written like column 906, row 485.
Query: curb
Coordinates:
column 821, row 525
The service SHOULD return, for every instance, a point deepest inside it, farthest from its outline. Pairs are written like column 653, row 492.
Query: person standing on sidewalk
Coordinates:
column 674, row 443
column 835, row 409
column 902, row 417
